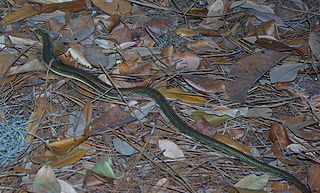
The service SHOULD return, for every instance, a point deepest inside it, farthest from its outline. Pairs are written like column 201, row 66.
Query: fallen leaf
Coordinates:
column 69, row 159
column 78, row 29
column 64, row 146
column 214, row 120
column 171, row 150
column 314, row 41
column 216, row 7
column 25, row 11
column 246, row 71
column 265, row 17
column 161, row 25
column 112, row 7
column 285, row 72
column 182, row 95
column 187, row 32
column 69, row 6
column 207, row 45
column 278, row 134
column 114, row 117
column 232, row 143
column 185, row 60
column 253, row 182
column 66, row 187
column 161, row 186
column 203, row 126
column 205, row 84
column 104, row 168
column 280, row 153
column 45, row 181
column 123, row 147
column 313, row 178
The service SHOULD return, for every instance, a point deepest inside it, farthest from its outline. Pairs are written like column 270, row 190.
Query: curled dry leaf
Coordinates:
column 247, row 70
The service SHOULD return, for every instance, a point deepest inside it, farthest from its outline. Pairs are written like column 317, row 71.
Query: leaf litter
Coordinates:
column 242, row 72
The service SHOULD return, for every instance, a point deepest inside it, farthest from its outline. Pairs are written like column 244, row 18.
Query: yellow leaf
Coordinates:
column 182, row 95
column 232, row 143
column 64, row 146
column 25, row 12
column 187, row 32
column 70, row 159
column 34, row 121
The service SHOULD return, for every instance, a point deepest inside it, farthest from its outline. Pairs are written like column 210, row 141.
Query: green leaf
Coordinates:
column 104, row 168
column 253, row 182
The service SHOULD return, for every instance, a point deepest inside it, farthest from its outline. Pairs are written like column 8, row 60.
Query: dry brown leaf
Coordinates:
column 112, row 22
column 182, row 95
column 91, row 179
column 28, row 10
column 34, row 120
column 167, row 52
column 203, row 126
column 70, row 6
column 161, row 25
column 278, row 134
column 280, row 154
column 112, row 7
column 134, row 65
column 185, row 60
column 232, row 143
column 246, row 71
column 207, row 45
column 297, row 123
column 122, row 34
column 314, row 41
column 268, row 28
column 24, row 12
column 205, row 84
column 78, row 29
column 110, row 119
column 5, row 60
column 216, row 7
column 281, row 187
column 313, row 178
